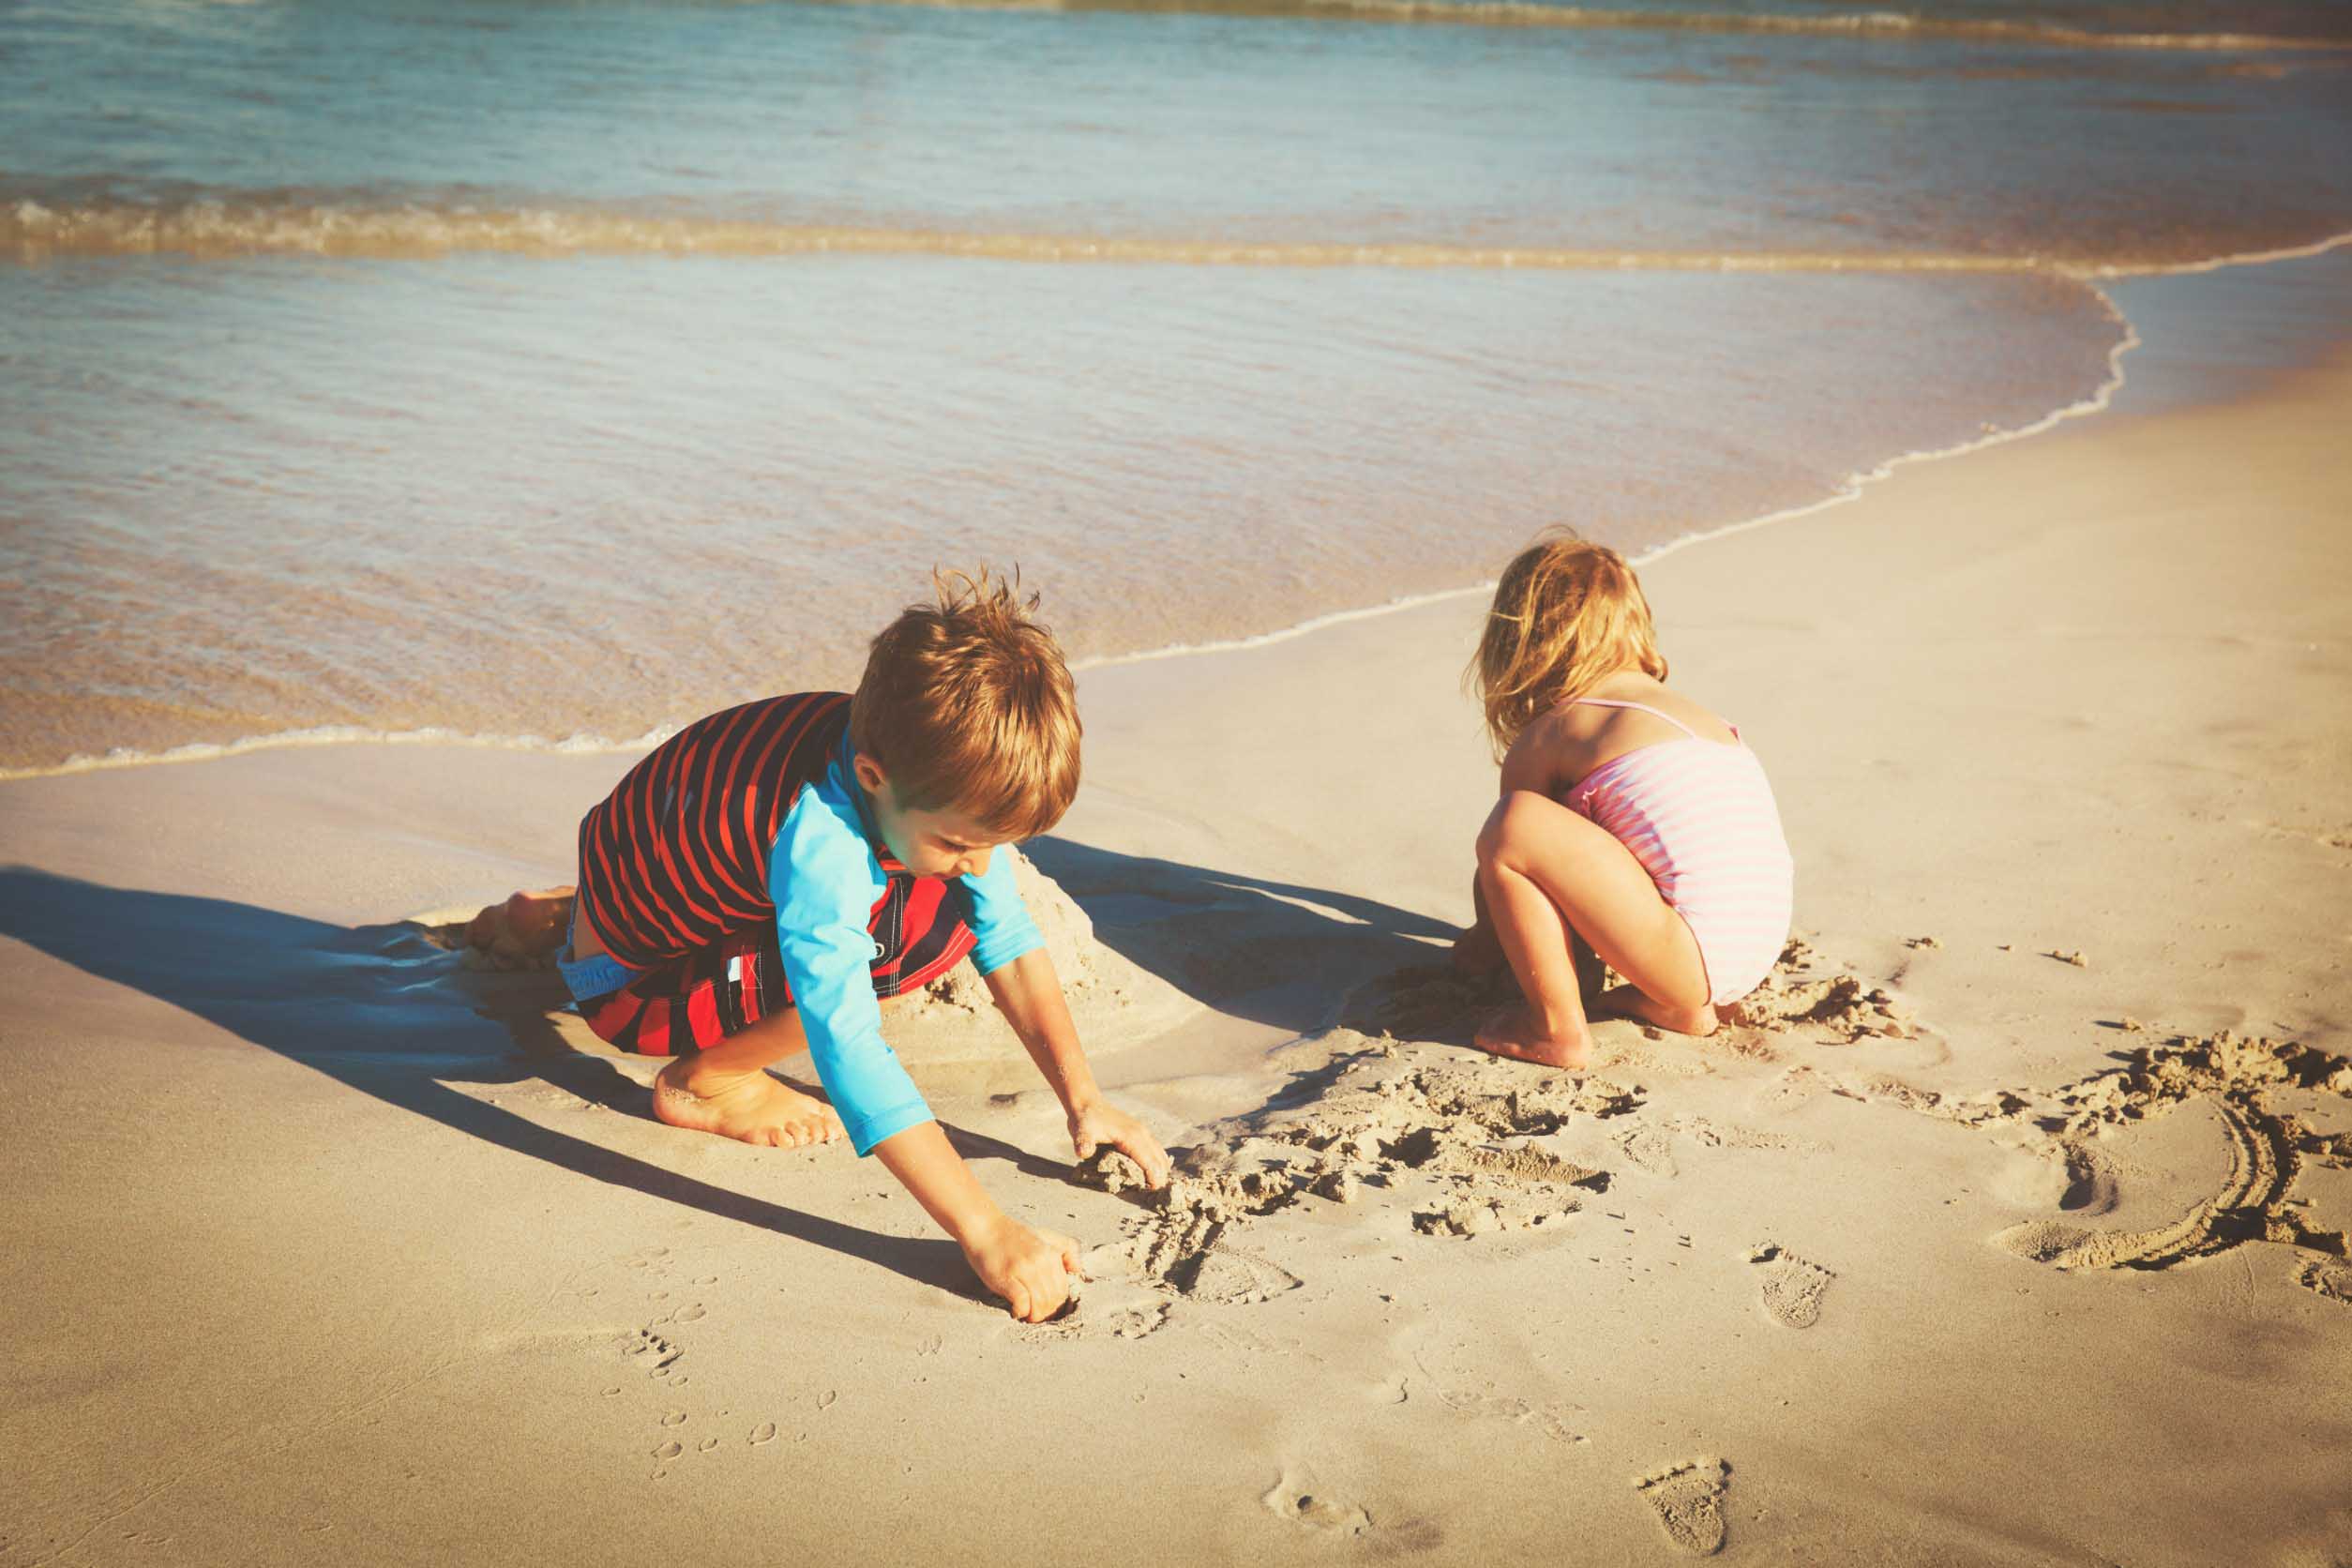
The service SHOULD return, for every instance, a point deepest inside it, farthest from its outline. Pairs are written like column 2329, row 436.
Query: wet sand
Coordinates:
column 327, row 1247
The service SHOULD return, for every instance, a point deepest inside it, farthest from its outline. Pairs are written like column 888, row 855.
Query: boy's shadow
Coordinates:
column 1273, row 952
column 381, row 1009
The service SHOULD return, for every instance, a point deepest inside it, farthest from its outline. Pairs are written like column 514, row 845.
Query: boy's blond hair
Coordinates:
column 1566, row 613
column 968, row 706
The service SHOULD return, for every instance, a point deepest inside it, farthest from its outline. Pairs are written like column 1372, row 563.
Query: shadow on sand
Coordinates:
column 1273, row 952
column 387, row 1012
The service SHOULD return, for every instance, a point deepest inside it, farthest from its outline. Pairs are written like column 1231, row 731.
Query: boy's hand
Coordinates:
column 1098, row 1123
column 1030, row 1269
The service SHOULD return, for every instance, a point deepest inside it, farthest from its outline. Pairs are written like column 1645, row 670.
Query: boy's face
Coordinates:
column 944, row 843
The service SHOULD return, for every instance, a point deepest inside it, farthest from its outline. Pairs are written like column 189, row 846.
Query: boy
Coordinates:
column 763, row 879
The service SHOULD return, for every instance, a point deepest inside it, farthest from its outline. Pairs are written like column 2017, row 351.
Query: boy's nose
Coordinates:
column 976, row 863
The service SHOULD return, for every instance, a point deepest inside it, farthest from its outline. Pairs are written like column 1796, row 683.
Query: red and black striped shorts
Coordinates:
column 692, row 1002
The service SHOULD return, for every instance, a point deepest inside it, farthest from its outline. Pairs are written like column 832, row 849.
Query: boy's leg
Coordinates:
column 725, row 1089
column 1548, row 873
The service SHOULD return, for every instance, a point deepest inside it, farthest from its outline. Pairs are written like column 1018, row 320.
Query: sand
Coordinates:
column 326, row 1247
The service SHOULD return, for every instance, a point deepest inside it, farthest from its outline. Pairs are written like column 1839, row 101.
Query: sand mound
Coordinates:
column 1459, row 1146
column 1112, row 1000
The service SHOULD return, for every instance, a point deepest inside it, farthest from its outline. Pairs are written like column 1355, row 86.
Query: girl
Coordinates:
column 1633, row 822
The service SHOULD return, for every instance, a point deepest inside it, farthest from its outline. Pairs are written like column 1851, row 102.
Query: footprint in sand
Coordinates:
column 650, row 1351
column 1297, row 1498
column 2327, row 1276
column 1793, row 1287
column 1649, row 1148
column 1230, row 1277
column 1689, row 1501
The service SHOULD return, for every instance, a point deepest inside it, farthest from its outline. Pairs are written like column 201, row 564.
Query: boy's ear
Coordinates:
column 870, row 773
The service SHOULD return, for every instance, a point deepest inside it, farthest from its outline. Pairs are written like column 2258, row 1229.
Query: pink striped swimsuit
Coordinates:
column 1700, row 816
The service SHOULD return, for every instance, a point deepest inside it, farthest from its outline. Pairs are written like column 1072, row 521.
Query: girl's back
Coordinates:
column 1678, row 786
column 1624, row 712
column 1576, row 696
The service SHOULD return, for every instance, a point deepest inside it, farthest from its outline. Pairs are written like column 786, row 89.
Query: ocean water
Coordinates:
column 534, row 369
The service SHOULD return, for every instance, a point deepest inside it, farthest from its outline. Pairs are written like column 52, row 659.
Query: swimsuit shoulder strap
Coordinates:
column 1637, row 707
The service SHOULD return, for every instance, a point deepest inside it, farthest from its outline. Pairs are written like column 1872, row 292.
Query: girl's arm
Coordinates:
column 1530, row 764
column 1533, row 763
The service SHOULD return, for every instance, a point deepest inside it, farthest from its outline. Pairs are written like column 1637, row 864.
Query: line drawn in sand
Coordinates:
column 2239, row 1077
column 2267, row 1149
column 1689, row 1500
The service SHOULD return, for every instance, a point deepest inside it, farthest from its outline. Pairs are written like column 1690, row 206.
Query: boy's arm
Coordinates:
column 1029, row 993
column 1030, row 1269
column 821, row 883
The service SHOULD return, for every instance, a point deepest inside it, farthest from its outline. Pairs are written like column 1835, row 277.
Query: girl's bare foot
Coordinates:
column 1518, row 1031
column 1625, row 1002
column 751, row 1106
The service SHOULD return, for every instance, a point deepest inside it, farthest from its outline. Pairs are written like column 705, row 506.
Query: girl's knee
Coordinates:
column 1511, row 827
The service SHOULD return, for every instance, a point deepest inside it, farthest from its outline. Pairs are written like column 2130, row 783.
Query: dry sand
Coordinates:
column 325, row 1248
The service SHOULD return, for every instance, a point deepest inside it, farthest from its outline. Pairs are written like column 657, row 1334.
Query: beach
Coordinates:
column 2008, row 1227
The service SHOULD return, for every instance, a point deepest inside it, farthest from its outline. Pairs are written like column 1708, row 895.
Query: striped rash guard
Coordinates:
column 754, row 814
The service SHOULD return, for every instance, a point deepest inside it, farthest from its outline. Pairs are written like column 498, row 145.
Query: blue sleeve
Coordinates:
column 1001, row 928
column 824, row 882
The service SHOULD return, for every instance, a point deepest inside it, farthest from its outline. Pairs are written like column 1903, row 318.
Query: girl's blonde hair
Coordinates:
column 1566, row 613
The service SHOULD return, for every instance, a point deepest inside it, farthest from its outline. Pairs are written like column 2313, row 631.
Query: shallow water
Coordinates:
column 536, row 370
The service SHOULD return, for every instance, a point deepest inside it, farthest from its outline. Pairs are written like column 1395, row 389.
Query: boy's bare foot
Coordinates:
column 751, row 1106
column 525, row 925
column 1625, row 1002
column 1518, row 1031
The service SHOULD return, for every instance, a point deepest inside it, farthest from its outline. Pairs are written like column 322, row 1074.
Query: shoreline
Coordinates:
column 1852, row 488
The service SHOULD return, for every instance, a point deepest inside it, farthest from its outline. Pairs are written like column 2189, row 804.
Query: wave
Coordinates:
column 219, row 229
column 339, row 735
column 1528, row 13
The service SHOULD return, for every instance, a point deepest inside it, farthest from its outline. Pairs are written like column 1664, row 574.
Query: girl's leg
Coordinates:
column 1549, row 875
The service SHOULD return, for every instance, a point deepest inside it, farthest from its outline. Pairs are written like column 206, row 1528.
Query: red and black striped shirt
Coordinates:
column 676, row 857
